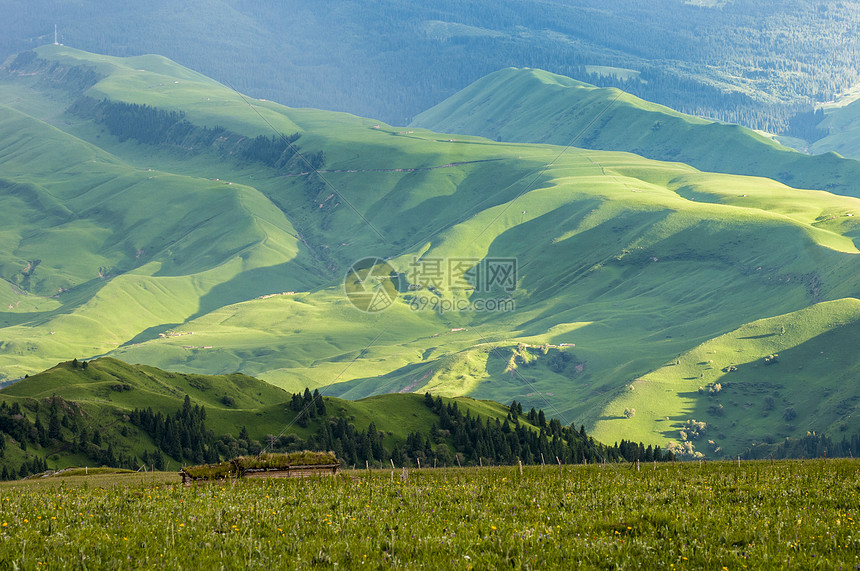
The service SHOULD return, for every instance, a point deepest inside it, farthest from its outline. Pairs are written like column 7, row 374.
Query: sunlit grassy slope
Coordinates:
column 535, row 106
column 93, row 254
column 624, row 263
column 734, row 384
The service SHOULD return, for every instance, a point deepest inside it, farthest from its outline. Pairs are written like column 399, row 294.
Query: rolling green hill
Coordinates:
column 535, row 106
column 83, row 230
column 252, row 403
column 101, row 412
column 187, row 235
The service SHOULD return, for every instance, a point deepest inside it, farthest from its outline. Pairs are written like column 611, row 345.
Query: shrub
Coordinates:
column 684, row 450
column 694, row 429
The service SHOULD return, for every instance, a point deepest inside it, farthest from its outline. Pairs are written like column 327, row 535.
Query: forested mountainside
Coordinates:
column 756, row 63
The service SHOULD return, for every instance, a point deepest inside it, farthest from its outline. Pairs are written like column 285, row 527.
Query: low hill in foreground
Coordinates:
column 106, row 412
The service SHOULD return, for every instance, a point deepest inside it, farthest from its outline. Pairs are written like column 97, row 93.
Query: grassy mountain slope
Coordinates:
column 634, row 261
column 734, row 384
column 535, row 106
column 107, row 390
column 84, row 231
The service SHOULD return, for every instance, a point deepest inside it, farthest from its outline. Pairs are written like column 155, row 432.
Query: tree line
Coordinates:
column 811, row 445
column 182, row 435
column 165, row 127
column 456, row 438
column 54, row 425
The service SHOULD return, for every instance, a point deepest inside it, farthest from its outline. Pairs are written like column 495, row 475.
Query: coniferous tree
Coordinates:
column 320, row 404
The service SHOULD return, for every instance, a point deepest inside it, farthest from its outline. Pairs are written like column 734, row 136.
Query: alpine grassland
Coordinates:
column 712, row 515
column 155, row 216
column 726, row 383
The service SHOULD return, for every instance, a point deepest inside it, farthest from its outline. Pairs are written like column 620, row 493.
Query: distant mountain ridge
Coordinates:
column 535, row 106
column 753, row 63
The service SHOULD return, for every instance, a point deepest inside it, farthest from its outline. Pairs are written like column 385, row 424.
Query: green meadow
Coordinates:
column 719, row 515
column 199, row 261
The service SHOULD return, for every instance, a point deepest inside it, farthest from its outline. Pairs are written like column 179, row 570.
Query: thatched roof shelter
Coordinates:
column 290, row 465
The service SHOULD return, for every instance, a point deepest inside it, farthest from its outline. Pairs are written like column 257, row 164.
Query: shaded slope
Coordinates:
column 842, row 125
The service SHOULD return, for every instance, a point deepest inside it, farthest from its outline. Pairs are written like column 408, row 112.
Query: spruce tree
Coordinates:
column 320, row 404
